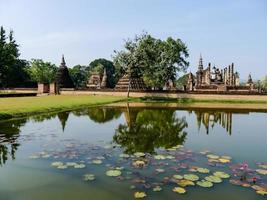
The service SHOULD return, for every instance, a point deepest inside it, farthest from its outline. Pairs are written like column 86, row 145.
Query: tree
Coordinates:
column 264, row 83
column 156, row 61
column 182, row 81
column 79, row 75
column 13, row 71
column 98, row 65
column 42, row 72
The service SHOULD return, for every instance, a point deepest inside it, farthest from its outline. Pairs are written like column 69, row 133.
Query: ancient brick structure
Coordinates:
column 97, row 81
column 215, row 79
column 63, row 78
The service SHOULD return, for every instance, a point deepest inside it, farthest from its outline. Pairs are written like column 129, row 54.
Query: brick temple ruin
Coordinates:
column 218, row 80
column 97, row 80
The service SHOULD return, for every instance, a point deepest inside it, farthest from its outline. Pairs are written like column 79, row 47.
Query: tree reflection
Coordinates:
column 9, row 133
column 100, row 114
column 147, row 130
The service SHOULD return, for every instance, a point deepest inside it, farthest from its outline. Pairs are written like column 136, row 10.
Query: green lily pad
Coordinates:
column 139, row 195
column 177, row 176
column 159, row 170
column 206, row 184
column 139, row 154
column 157, row 189
column 79, row 166
column 89, row 177
column 124, row 156
column 212, row 156
column 97, row 162
column 191, row 177
column 262, row 171
column 213, row 179
column 159, row 157
column 179, row 190
column 113, row 173
column 203, row 170
column 221, row 174
column 71, row 164
column 56, row 164
column 62, row 167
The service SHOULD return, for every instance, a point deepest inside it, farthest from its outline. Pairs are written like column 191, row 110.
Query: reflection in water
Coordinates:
column 209, row 119
column 9, row 133
column 147, row 130
column 100, row 115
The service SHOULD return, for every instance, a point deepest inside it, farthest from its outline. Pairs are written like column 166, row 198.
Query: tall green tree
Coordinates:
column 155, row 60
column 42, row 72
column 79, row 75
column 12, row 70
column 98, row 65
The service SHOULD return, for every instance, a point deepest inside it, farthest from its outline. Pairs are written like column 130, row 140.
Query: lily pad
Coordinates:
column 159, row 170
column 191, row 177
column 221, row 174
column 79, row 166
column 139, row 195
column 213, row 179
column 177, row 176
column 206, row 184
column 139, row 154
column 223, row 160
column 184, row 183
column 113, row 173
column 179, row 190
column 157, row 189
column 97, row 162
column 89, row 177
column 124, row 156
column 212, row 156
column 56, row 164
column 159, row 157
column 71, row 164
column 203, row 170
column 261, row 192
column 262, row 171
column 139, row 163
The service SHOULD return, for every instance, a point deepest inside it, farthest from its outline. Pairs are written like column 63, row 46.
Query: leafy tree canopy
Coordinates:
column 156, row 60
column 79, row 75
column 42, row 72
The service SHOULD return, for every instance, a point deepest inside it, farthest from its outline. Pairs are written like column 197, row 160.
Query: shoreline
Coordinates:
column 13, row 108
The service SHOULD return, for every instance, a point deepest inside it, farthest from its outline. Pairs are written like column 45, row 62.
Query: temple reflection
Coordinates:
column 209, row 119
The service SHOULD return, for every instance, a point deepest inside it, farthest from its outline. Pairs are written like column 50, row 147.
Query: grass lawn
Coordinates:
column 23, row 106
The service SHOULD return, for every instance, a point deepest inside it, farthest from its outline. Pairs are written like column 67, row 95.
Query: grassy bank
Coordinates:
column 25, row 106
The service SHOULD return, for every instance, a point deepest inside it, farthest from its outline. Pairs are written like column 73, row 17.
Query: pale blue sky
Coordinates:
column 224, row 31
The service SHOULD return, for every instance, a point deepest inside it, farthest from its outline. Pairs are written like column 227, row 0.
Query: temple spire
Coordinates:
column 200, row 65
column 63, row 63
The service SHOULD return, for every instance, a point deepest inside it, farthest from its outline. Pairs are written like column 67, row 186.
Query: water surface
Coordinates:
column 113, row 135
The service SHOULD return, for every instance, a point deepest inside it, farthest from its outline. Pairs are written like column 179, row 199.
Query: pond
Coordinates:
column 129, row 152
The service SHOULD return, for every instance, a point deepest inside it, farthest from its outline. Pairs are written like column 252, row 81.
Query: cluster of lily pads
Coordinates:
column 175, row 167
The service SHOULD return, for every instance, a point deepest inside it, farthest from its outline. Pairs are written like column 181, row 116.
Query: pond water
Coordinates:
column 118, row 153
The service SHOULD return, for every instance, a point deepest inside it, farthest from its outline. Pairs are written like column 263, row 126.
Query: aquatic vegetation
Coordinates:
column 177, row 176
column 206, row 184
column 139, row 195
column 221, row 174
column 139, row 154
column 113, row 173
column 89, row 177
column 56, row 164
column 179, row 190
column 203, row 170
column 159, row 157
column 213, row 179
column 191, row 177
column 261, row 171
column 157, row 189
column 97, row 162
column 184, row 183
column 79, row 166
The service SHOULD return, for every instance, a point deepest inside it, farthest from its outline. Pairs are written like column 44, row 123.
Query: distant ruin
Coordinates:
column 215, row 79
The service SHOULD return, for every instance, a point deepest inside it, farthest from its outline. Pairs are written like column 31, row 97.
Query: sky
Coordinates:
column 222, row 31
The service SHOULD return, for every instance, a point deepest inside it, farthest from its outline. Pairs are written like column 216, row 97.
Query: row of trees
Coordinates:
column 156, row 61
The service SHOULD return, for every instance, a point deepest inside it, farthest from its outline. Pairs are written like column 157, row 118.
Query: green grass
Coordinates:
column 24, row 106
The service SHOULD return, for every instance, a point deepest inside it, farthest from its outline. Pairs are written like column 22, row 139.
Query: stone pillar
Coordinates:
column 40, row 88
column 53, row 88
